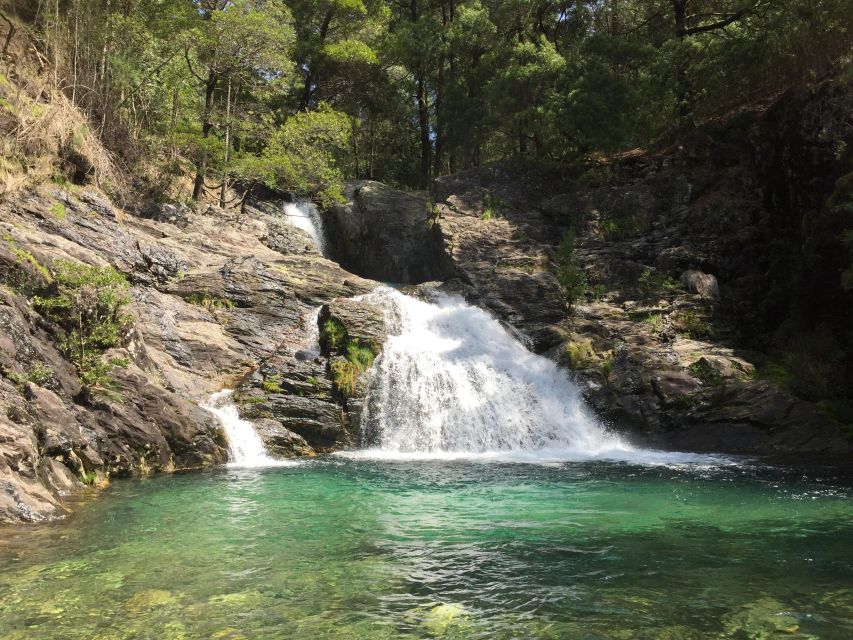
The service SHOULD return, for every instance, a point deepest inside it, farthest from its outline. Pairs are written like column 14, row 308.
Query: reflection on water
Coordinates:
column 341, row 548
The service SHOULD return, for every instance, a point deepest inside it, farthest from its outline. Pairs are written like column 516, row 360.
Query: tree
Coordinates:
column 239, row 43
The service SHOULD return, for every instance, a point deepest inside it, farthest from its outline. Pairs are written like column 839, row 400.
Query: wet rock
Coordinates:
column 363, row 322
column 384, row 234
column 282, row 442
column 215, row 295
column 675, row 388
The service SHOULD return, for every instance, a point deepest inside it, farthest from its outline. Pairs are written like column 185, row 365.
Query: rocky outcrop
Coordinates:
column 384, row 234
column 679, row 273
column 217, row 297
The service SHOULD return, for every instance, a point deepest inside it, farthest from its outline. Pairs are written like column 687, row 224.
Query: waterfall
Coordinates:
column 304, row 215
column 451, row 380
column 245, row 446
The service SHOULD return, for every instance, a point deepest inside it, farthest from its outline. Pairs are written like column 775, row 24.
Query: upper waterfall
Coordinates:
column 304, row 215
column 451, row 379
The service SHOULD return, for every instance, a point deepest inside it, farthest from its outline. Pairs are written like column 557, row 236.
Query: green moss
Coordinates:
column 210, row 302
column 580, row 354
column 314, row 382
column 89, row 478
column 58, row 210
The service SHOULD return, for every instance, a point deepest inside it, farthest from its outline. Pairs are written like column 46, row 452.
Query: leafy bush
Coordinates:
column 87, row 303
column 38, row 373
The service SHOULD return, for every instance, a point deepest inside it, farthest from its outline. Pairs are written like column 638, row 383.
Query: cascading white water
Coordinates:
column 304, row 215
column 452, row 380
column 245, row 445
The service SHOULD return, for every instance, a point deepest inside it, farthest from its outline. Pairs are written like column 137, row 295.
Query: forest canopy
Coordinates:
column 300, row 95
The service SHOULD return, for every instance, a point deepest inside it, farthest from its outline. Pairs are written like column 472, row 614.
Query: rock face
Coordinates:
column 384, row 234
column 675, row 250
column 217, row 298
column 293, row 396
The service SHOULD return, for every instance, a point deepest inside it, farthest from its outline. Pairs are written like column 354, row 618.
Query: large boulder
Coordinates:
column 384, row 234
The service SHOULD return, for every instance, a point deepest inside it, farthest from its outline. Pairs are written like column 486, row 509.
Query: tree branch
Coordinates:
column 190, row 65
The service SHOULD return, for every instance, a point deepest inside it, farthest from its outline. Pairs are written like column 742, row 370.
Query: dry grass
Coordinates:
column 42, row 133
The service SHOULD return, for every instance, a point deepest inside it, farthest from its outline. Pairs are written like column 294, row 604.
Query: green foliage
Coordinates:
column 703, row 371
column 580, row 354
column 304, row 154
column 313, row 381
column 20, row 281
column 345, row 373
column 209, row 301
column 360, row 356
column 421, row 87
column 38, row 373
column 691, row 324
column 654, row 281
column 626, row 227
column 88, row 304
column 89, row 478
column 272, row 384
column 655, row 321
column 570, row 273
column 492, row 206
column 332, row 335
column 57, row 210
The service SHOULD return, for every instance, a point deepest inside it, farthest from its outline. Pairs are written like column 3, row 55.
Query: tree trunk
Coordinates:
column 423, row 119
column 683, row 88
column 206, row 127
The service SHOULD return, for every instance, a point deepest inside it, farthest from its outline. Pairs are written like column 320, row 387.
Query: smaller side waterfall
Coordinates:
column 304, row 215
column 245, row 445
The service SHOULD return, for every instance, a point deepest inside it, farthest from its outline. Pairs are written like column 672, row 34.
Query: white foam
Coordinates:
column 245, row 445
column 304, row 215
column 641, row 457
column 453, row 379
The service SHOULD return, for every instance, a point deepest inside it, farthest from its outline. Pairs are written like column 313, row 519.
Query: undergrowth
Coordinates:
column 88, row 304
column 570, row 273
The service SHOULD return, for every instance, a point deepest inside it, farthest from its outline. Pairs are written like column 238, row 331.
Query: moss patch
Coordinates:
column 209, row 301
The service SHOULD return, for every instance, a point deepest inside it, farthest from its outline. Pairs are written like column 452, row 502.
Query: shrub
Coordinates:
column 570, row 273
column 332, row 335
column 580, row 353
column 345, row 373
column 87, row 302
column 690, row 324
column 653, row 281
column 38, row 373
column 272, row 384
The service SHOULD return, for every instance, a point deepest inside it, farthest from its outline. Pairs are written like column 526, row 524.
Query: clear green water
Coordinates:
column 357, row 549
